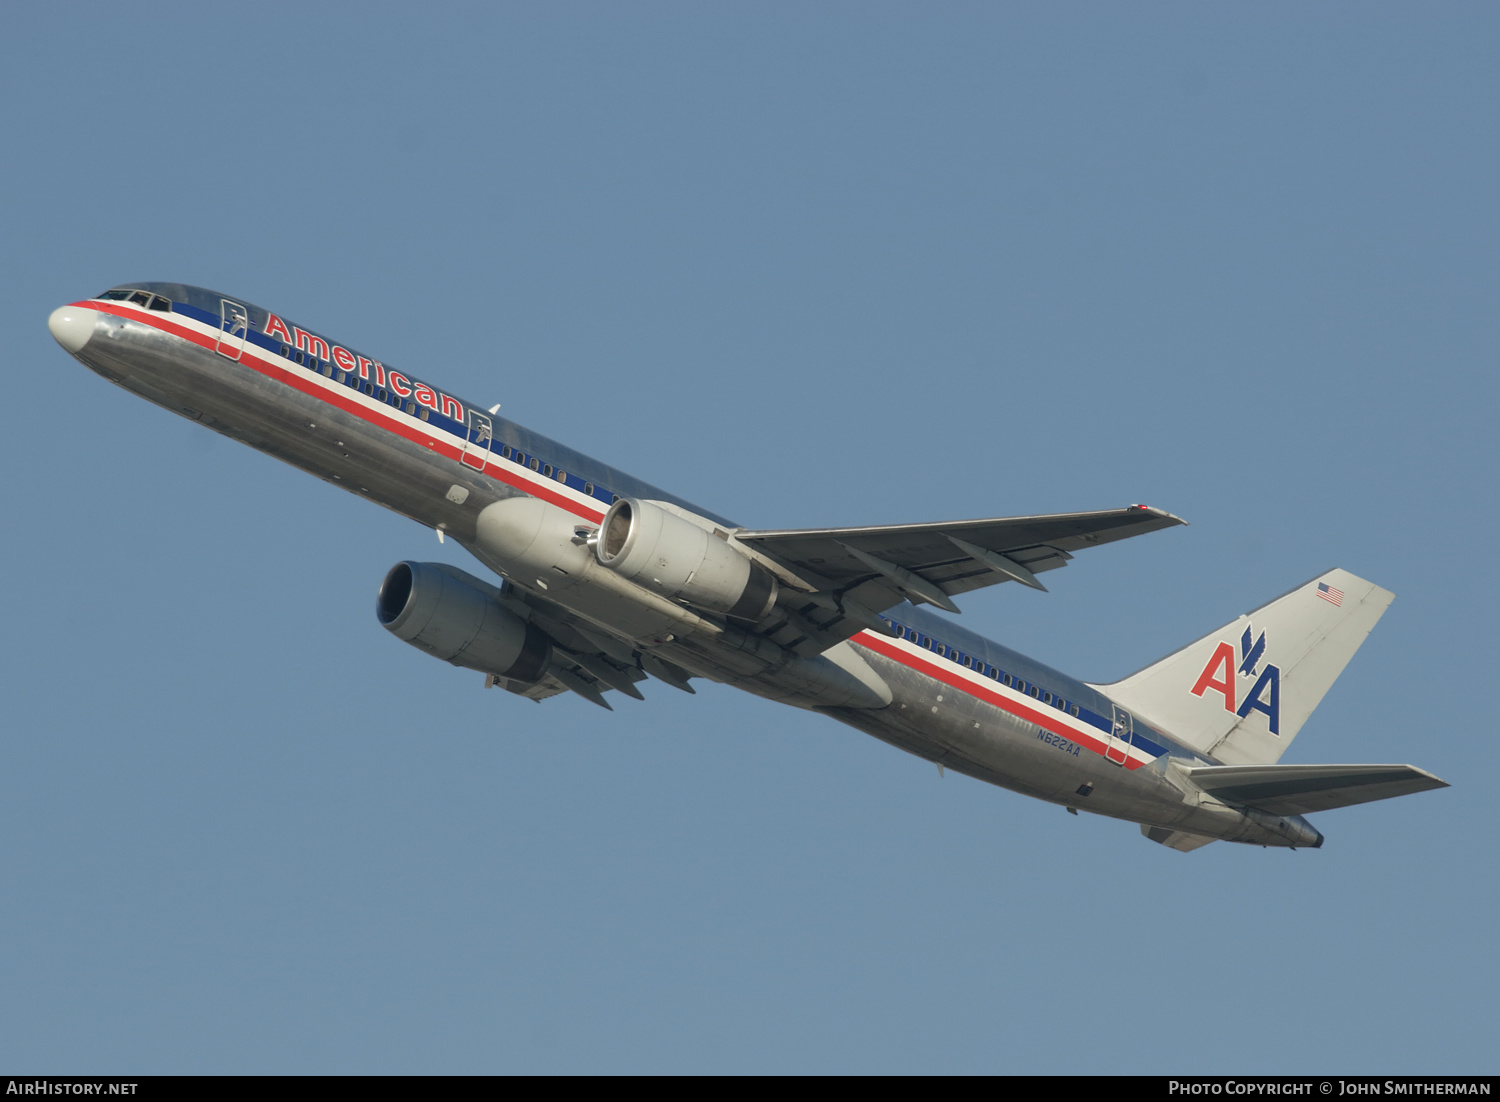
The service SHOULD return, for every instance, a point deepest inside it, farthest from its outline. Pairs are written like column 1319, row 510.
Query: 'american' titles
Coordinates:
column 394, row 381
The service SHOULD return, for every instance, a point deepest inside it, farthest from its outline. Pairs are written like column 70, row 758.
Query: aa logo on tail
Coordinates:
column 1220, row 675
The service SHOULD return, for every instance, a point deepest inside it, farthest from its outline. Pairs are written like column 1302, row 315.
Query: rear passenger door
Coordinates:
column 1117, row 745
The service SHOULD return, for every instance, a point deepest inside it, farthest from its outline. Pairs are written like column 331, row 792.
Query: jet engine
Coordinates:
column 666, row 554
column 454, row 616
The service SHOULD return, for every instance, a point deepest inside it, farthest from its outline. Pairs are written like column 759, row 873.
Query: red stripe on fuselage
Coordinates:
column 940, row 672
column 252, row 357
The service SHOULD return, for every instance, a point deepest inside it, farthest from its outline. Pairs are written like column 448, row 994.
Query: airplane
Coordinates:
column 606, row 582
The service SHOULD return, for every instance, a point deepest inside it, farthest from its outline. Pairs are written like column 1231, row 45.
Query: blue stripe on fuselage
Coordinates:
column 1095, row 709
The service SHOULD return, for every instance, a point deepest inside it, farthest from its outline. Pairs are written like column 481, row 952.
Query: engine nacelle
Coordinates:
column 454, row 616
column 666, row 554
column 543, row 548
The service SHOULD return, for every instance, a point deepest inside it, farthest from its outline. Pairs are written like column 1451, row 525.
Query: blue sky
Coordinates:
column 805, row 265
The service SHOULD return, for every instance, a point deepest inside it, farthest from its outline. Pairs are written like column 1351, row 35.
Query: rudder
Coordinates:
column 1240, row 694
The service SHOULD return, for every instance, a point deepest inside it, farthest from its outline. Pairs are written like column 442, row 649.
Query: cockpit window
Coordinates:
column 117, row 295
column 159, row 303
column 140, row 297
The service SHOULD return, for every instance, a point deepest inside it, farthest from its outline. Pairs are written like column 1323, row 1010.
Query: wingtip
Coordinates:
column 1154, row 511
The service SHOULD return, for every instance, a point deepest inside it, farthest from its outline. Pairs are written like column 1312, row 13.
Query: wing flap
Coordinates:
column 1180, row 840
column 586, row 661
column 1301, row 789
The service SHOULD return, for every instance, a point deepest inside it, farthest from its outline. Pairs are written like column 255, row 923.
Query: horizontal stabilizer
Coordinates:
column 1299, row 789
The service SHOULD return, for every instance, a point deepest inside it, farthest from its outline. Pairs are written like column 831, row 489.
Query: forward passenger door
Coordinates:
column 234, row 328
column 477, row 440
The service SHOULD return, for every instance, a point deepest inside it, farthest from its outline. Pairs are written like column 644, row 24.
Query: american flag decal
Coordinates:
column 1331, row 595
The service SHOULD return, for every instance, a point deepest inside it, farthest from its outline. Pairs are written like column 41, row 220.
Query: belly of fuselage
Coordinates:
column 302, row 429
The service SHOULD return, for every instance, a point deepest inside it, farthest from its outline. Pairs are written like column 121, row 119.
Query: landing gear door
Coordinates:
column 1117, row 745
column 234, row 329
column 477, row 440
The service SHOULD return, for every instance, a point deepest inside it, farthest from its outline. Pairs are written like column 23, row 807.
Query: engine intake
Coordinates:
column 666, row 554
column 455, row 616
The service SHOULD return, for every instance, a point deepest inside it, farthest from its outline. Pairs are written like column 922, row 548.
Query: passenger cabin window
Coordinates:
column 562, row 476
column 547, row 469
column 1073, row 708
column 588, row 488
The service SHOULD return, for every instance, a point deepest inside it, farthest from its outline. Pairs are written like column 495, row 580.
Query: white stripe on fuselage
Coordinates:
column 515, row 474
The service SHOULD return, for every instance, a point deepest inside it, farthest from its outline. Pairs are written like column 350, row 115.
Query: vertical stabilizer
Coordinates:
column 1241, row 694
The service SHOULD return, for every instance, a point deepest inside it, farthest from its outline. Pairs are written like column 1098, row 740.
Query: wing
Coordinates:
column 585, row 659
column 842, row 577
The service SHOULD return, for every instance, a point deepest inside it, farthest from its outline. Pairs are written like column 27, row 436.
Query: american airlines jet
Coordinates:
column 607, row 582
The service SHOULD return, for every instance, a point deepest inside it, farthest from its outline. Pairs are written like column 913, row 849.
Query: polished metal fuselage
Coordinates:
column 925, row 716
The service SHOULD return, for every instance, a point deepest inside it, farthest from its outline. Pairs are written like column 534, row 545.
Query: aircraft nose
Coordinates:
column 72, row 326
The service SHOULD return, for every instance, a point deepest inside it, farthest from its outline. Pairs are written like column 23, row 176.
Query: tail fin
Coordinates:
column 1240, row 694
